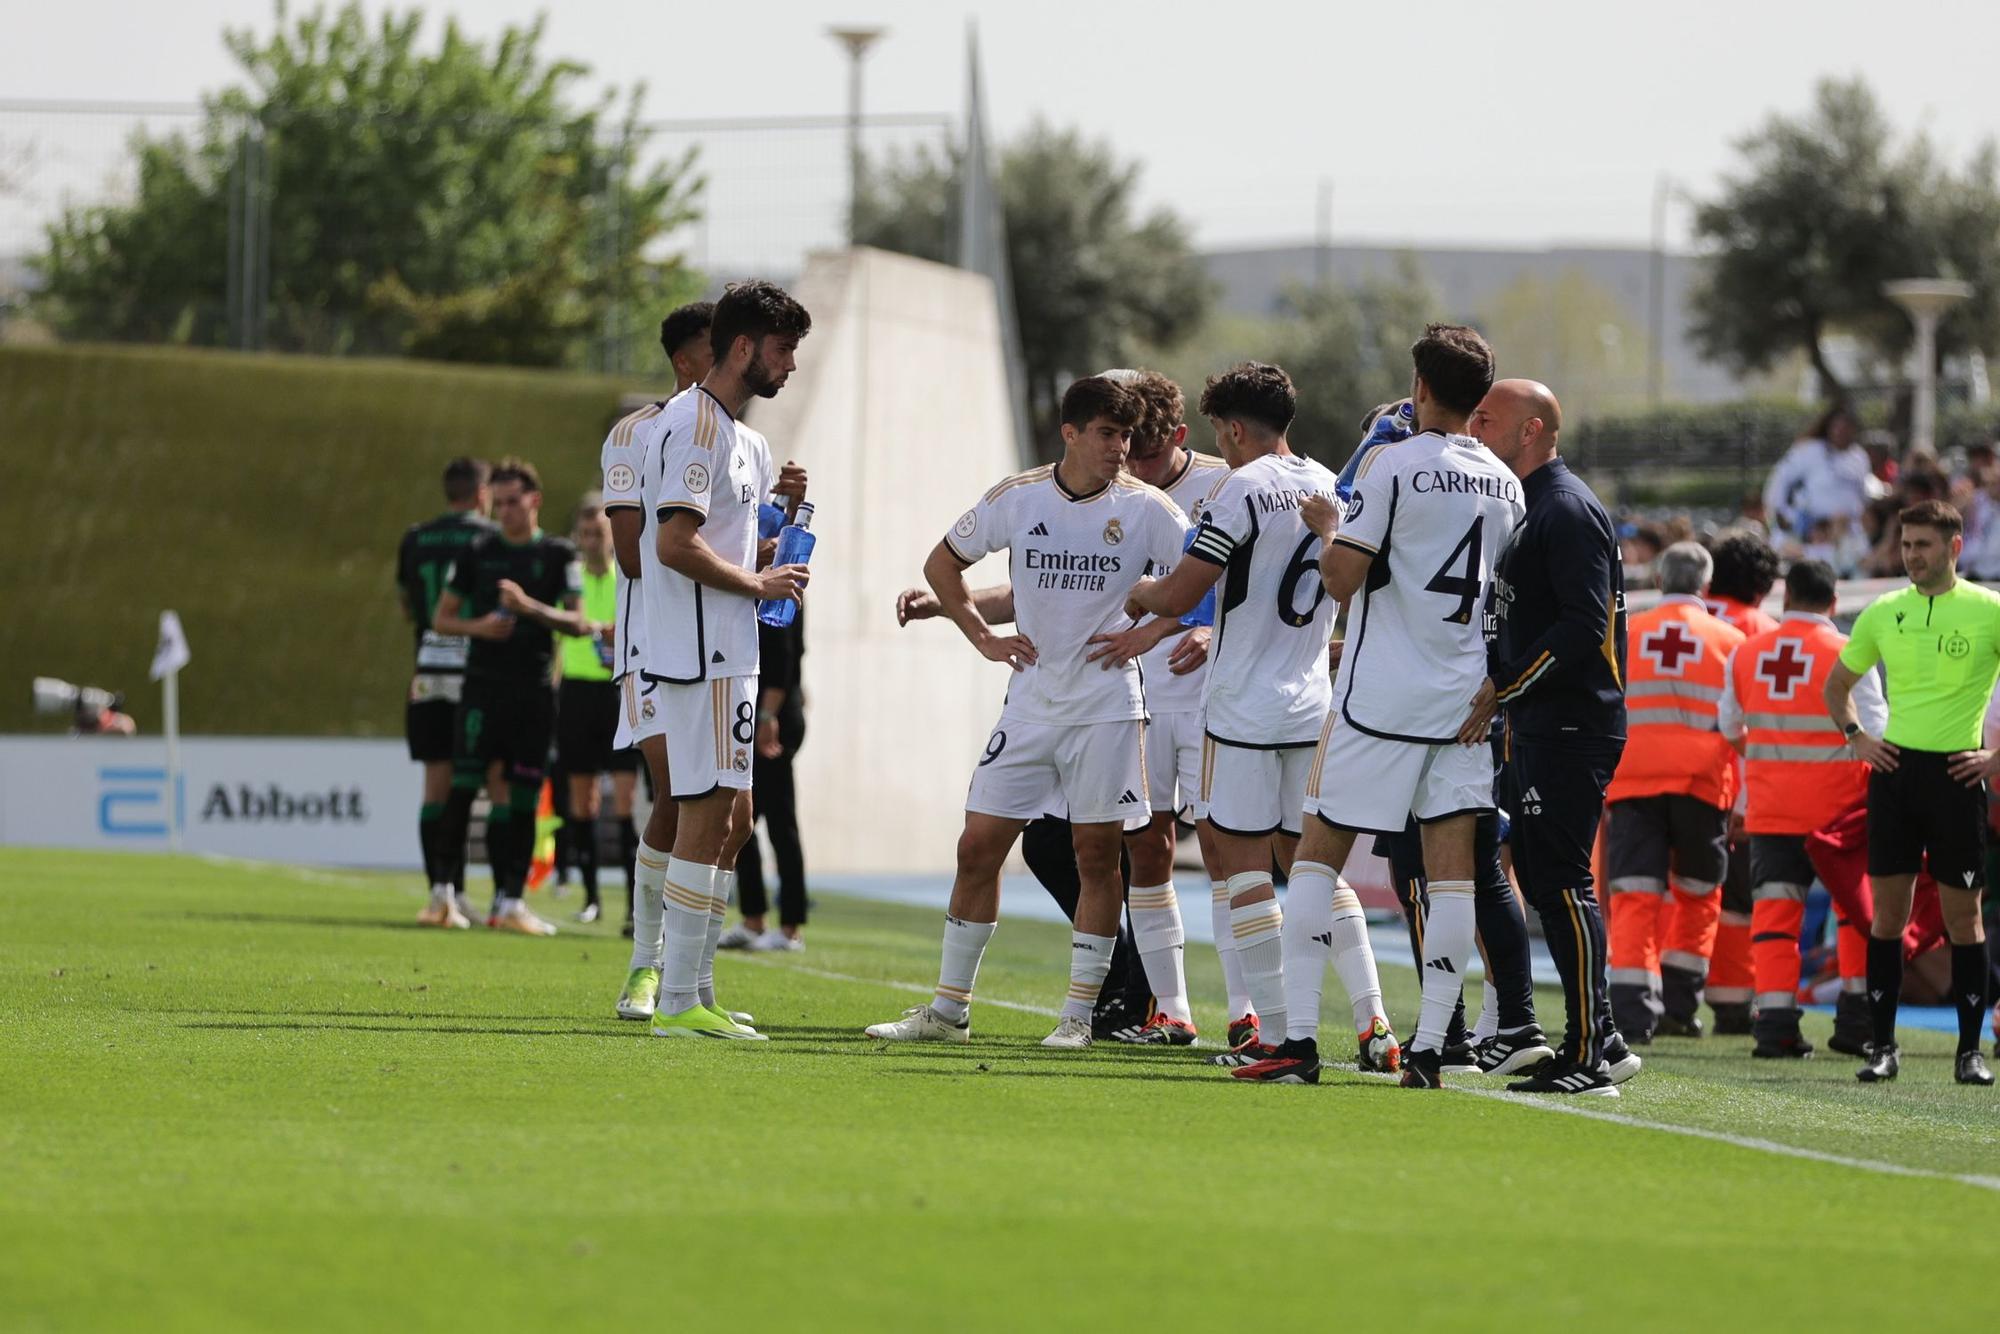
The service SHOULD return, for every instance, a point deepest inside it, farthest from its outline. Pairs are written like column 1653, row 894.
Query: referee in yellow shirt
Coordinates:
column 1938, row 642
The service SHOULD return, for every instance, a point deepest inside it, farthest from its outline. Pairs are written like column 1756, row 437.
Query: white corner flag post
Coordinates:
column 168, row 659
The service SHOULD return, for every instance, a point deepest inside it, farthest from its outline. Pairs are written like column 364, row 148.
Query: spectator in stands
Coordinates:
column 1639, row 547
column 1824, row 475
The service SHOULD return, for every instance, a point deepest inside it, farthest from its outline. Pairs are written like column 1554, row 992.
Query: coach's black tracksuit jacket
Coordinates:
column 1558, row 659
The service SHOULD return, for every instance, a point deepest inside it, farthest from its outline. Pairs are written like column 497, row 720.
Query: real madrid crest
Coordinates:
column 1114, row 532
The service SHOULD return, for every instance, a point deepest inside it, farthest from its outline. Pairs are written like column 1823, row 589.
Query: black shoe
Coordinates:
column 1294, row 1061
column 1853, row 1030
column 626, row 930
column 1732, row 1019
column 1882, row 1064
column 1114, row 1013
column 1514, row 1053
column 1564, row 1075
column 1677, row 1026
column 1423, row 1069
column 1784, row 1047
column 1460, row 1058
column 1971, row 1069
column 1620, row 1061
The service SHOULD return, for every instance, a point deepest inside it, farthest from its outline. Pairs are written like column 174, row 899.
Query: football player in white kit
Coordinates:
column 1080, row 534
column 704, row 477
column 1418, row 543
column 1266, row 703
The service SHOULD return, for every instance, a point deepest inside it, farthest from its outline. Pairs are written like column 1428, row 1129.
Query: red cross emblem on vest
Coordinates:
column 1783, row 667
column 1671, row 647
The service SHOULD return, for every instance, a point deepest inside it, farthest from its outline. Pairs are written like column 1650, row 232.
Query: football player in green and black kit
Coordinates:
column 510, row 593
column 423, row 562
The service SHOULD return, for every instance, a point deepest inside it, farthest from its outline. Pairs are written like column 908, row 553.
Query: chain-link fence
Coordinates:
column 761, row 194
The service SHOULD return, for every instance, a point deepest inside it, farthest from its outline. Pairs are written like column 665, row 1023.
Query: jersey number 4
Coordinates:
column 1458, row 577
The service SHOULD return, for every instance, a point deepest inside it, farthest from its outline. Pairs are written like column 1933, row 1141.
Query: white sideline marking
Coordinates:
column 1522, row 1100
column 311, row 877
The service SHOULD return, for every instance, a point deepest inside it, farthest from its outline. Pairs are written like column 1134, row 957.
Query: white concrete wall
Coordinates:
column 899, row 411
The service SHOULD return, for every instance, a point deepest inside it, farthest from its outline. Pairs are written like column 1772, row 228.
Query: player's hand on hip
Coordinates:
column 791, row 485
column 1479, row 723
column 916, row 604
column 1017, row 651
column 1881, row 756
column 1115, row 650
column 1973, row 767
column 1321, row 515
column 1191, row 652
column 494, row 625
column 783, row 581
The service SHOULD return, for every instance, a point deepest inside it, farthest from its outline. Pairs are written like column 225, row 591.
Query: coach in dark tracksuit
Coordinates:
column 1559, row 672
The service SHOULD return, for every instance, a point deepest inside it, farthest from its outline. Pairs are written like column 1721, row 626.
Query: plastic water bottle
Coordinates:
column 1398, row 423
column 770, row 520
column 1204, row 610
column 795, row 544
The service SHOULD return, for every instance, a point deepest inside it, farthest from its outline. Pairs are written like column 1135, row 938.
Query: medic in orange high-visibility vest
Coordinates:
column 1667, row 812
column 1746, row 568
column 1801, row 777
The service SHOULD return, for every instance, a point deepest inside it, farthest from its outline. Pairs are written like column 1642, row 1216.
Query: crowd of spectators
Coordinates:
column 1835, row 496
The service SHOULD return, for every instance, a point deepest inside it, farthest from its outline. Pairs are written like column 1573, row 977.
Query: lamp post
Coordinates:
column 1926, row 300
column 857, row 41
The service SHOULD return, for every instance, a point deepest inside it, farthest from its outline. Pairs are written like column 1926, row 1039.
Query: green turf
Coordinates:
column 240, row 1097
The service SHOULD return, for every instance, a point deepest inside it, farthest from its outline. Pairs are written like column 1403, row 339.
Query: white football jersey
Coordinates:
column 1165, row 692
column 1268, row 683
column 622, row 461
column 1074, row 560
column 1434, row 512
column 698, row 459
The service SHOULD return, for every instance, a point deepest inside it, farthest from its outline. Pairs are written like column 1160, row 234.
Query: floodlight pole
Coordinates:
column 857, row 41
column 1925, row 300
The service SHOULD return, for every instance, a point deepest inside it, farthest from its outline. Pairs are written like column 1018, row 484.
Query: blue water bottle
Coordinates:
column 1398, row 421
column 1204, row 610
column 795, row 544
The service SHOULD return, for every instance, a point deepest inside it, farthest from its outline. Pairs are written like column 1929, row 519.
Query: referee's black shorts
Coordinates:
column 506, row 721
column 1919, row 810
column 586, row 722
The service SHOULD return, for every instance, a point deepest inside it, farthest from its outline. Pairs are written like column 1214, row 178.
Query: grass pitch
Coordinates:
column 239, row 1097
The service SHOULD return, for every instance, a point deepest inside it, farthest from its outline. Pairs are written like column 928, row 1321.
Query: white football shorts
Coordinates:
column 711, row 729
column 1373, row 784
column 1250, row 791
column 1094, row 771
column 1173, row 761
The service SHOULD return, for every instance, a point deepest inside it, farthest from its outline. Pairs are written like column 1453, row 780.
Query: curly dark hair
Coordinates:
column 756, row 310
column 1094, row 396
column 686, row 324
column 1456, row 363
column 1254, row 394
column 1162, row 410
column 1745, row 567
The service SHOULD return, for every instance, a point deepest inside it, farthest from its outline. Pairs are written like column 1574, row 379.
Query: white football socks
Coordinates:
column 1489, row 1012
column 964, row 943
column 1450, row 931
column 1156, row 926
column 1308, row 937
column 689, row 888
column 1354, row 957
column 1089, row 964
column 1258, row 931
column 1225, row 949
column 649, row 910
column 723, row 895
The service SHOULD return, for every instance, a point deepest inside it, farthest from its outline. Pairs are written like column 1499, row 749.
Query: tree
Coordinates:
column 1092, row 282
column 1572, row 331
column 447, row 203
column 1826, row 209
column 1348, row 349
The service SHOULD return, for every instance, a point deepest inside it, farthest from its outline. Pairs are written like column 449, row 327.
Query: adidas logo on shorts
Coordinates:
column 1129, row 795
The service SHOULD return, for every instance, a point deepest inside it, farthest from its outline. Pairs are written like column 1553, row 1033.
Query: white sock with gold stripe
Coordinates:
column 964, row 943
column 649, row 875
column 1156, row 926
column 1089, row 965
column 1258, row 929
column 689, row 887
column 1225, row 949
column 718, row 911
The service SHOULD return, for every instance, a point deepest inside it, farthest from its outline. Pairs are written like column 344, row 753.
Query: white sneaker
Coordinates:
column 920, row 1023
column 1072, row 1034
column 442, row 912
column 589, row 914
column 776, row 940
column 519, row 920
column 738, row 937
